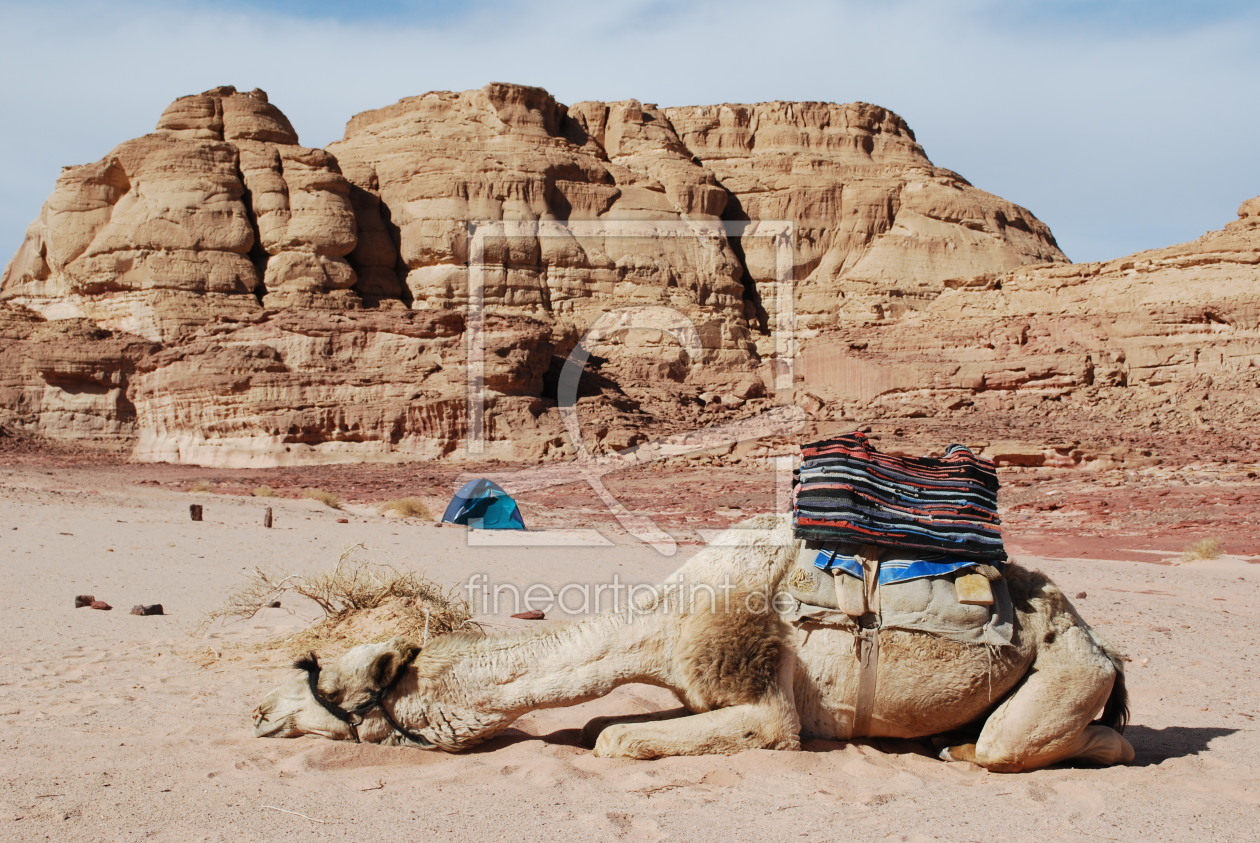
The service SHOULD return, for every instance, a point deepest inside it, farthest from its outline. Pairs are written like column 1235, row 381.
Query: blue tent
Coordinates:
column 484, row 505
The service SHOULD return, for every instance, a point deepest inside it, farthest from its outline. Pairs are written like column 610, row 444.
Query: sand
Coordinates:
column 115, row 726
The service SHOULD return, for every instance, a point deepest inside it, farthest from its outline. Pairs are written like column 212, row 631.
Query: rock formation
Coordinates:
column 216, row 293
column 435, row 167
column 1164, row 341
column 878, row 228
column 217, row 211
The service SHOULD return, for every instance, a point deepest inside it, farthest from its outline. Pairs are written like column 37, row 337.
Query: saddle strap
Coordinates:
column 867, row 642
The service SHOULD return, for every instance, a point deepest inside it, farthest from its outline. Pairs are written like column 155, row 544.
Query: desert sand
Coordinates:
column 115, row 726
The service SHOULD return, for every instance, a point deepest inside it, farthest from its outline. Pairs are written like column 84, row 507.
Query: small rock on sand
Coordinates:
column 100, row 604
column 531, row 615
column 153, row 609
column 83, row 600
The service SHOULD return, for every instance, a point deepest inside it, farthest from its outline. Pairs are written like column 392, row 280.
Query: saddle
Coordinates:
column 850, row 492
column 868, row 587
column 864, row 589
column 909, row 543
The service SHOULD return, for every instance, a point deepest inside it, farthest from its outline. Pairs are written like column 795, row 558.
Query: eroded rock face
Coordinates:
column 68, row 377
column 879, row 228
column 316, row 386
column 215, row 211
column 216, row 293
column 1162, row 341
column 440, row 171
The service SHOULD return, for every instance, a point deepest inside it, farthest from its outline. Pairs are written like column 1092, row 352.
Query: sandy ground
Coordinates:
column 114, row 726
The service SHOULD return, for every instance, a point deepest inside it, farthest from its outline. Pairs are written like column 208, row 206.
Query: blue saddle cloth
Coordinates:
column 891, row 570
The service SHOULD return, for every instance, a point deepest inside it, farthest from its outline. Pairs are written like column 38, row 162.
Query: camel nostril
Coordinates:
column 267, row 728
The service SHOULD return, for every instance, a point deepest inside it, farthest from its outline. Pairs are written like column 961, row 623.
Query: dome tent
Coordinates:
column 482, row 504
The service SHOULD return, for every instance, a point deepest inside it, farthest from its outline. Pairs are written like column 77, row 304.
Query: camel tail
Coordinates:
column 1115, row 712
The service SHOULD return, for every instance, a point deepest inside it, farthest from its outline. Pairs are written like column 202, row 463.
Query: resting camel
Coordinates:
column 745, row 677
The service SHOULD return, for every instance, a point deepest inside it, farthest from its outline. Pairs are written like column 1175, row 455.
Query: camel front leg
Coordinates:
column 596, row 725
column 770, row 723
column 723, row 731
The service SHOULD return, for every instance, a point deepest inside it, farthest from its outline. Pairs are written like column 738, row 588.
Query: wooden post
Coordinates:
column 194, row 510
column 267, row 518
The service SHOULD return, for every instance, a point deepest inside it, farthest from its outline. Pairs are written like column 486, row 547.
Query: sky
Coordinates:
column 1122, row 124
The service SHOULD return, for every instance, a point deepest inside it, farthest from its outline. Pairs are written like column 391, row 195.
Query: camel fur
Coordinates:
column 746, row 678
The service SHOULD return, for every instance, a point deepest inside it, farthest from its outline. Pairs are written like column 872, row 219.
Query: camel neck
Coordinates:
column 468, row 688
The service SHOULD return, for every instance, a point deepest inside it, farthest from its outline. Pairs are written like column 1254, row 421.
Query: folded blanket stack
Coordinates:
column 850, row 492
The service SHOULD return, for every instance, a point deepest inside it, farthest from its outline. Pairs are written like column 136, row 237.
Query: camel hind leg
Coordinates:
column 1048, row 718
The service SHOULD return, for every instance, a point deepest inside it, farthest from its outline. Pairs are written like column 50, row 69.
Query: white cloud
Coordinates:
column 1119, row 138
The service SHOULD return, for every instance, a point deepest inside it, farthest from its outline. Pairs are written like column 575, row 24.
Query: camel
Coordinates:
column 746, row 678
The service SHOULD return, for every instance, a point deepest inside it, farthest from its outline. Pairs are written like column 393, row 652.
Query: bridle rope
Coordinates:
column 310, row 664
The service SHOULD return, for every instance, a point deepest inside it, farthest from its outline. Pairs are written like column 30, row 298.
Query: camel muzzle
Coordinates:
column 265, row 727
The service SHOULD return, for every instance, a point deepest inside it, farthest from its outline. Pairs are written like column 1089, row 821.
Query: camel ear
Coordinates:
column 310, row 664
column 385, row 668
column 397, row 656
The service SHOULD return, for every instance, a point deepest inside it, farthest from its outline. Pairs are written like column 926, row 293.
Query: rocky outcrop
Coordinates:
column 878, row 227
column 216, row 293
column 214, row 214
column 1162, row 341
column 441, row 170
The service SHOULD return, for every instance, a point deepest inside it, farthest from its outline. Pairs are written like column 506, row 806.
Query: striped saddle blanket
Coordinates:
column 850, row 492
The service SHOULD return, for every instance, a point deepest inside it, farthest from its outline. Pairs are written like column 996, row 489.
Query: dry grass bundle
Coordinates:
column 361, row 601
column 201, row 486
column 263, row 492
column 406, row 508
column 326, row 498
column 1205, row 549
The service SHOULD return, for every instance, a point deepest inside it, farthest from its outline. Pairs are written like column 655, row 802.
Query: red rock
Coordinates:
column 1080, row 595
column 343, row 520
column 531, row 615
column 83, row 600
column 101, row 604
column 190, row 291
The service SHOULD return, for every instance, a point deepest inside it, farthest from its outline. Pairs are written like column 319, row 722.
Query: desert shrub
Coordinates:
column 407, row 508
column 326, row 498
column 361, row 601
column 263, row 492
column 1210, row 548
column 201, row 486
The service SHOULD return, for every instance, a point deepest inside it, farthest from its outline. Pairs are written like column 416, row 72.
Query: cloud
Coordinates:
column 1123, row 125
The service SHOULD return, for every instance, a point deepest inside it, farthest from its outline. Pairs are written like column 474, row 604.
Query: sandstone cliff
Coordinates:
column 217, row 211
column 1161, row 342
column 878, row 227
column 214, row 292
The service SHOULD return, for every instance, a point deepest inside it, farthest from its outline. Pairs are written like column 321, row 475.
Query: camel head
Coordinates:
column 343, row 700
